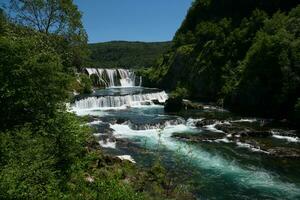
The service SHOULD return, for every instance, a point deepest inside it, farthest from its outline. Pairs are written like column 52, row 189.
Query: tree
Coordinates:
column 32, row 80
column 59, row 19
column 48, row 16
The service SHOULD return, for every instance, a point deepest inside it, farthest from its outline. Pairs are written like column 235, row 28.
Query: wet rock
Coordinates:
column 253, row 133
column 198, row 137
column 284, row 152
column 229, row 128
column 120, row 121
column 156, row 102
column 205, row 122
column 189, row 105
column 241, row 131
column 174, row 104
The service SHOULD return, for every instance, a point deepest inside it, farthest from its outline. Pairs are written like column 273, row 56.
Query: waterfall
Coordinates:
column 111, row 74
column 114, row 77
column 141, row 81
column 127, row 78
column 120, row 101
column 91, row 71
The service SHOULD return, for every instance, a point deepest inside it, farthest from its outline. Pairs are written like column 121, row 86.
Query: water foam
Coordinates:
column 108, row 144
column 249, row 178
column 120, row 102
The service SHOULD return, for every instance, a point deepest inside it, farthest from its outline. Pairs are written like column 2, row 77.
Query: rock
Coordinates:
column 188, row 105
column 156, row 102
column 229, row 128
column 174, row 104
column 252, row 133
column 284, row 152
column 205, row 122
column 120, row 121
column 198, row 137
column 242, row 131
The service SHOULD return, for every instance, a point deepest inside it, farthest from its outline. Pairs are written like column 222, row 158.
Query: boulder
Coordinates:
column 174, row 104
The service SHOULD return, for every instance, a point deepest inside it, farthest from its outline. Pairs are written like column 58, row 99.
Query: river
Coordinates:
column 219, row 166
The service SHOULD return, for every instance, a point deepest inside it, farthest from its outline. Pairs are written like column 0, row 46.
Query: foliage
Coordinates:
column 60, row 21
column 242, row 53
column 53, row 161
column 36, row 161
column 81, row 84
column 32, row 80
column 180, row 92
column 48, row 16
column 121, row 54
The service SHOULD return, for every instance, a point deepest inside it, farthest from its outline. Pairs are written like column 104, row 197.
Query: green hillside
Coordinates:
column 242, row 54
column 122, row 54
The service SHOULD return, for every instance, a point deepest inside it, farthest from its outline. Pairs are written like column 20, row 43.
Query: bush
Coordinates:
column 32, row 81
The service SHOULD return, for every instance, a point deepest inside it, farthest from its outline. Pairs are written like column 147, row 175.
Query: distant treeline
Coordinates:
column 122, row 54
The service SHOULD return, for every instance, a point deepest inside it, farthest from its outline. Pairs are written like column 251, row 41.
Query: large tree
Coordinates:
column 59, row 19
column 48, row 16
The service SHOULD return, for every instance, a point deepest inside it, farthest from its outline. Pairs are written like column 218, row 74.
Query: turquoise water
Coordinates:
column 219, row 169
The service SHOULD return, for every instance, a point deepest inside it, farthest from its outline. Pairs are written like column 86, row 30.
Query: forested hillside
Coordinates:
column 244, row 55
column 122, row 54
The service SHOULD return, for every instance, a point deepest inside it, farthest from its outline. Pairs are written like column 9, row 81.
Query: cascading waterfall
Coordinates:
column 111, row 74
column 120, row 101
column 127, row 78
column 100, row 75
column 115, row 77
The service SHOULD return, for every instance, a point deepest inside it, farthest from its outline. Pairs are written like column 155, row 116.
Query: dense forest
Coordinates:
column 244, row 55
column 122, row 54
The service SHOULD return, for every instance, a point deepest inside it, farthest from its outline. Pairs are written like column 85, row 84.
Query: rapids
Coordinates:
column 128, row 122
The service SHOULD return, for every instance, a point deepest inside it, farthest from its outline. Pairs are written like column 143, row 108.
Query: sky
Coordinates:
column 132, row 20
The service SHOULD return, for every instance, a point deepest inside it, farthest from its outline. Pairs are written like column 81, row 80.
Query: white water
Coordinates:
column 245, row 120
column 277, row 135
column 126, row 157
column 288, row 138
column 115, row 77
column 247, row 177
column 108, row 144
column 119, row 102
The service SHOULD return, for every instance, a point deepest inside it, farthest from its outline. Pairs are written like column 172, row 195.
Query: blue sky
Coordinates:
column 132, row 20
